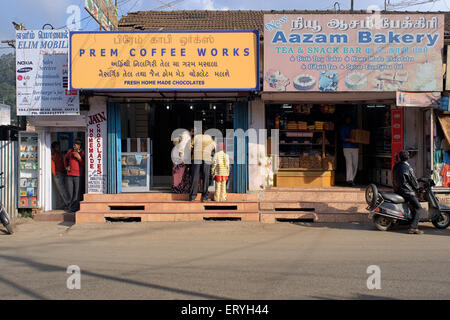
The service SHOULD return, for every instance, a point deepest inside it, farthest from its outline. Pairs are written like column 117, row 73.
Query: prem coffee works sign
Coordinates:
column 353, row 52
column 210, row 60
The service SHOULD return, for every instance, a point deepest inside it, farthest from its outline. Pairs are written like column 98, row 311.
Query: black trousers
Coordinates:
column 416, row 209
column 73, row 189
column 202, row 169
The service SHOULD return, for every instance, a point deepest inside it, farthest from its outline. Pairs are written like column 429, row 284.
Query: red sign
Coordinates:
column 396, row 134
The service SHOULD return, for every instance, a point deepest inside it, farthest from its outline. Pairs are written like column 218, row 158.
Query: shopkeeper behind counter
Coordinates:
column 350, row 151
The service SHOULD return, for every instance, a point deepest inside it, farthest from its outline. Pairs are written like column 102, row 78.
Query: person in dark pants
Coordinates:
column 350, row 151
column 203, row 146
column 58, row 174
column 74, row 163
column 406, row 184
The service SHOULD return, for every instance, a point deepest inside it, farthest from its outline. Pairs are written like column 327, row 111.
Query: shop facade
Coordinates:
column 127, row 125
column 320, row 70
column 205, row 79
column 440, row 160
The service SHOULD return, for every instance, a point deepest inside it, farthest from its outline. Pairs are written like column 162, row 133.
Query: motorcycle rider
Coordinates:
column 405, row 184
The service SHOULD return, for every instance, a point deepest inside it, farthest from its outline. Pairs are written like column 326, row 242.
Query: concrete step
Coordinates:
column 54, row 216
column 317, row 207
column 163, row 197
column 83, row 217
column 315, row 196
column 273, row 217
column 343, row 217
column 173, row 206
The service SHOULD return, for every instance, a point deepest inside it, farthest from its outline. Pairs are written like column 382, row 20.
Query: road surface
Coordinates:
column 222, row 260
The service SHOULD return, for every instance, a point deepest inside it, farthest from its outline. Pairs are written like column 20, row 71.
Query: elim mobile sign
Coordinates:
column 42, row 74
column 182, row 60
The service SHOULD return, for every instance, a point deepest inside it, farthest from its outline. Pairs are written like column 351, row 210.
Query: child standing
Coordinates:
column 220, row 170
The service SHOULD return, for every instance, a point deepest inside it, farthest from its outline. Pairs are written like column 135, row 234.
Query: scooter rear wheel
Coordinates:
column 371, row 195
column 382, row 223
column 443, row 224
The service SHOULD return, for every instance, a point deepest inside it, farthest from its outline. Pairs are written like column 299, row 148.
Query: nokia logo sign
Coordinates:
column 25, row 63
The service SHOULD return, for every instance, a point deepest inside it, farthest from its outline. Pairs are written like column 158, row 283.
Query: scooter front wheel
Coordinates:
column 382, row 223
column 9, row 228
column 4, row 218
column 444, row 223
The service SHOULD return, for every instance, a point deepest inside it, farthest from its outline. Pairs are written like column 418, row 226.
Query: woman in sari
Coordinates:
column 181, row 157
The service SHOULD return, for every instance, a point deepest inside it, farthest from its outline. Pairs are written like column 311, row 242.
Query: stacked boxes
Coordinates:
column 302, row 125
column 311, row 162
column 360, row 136
column 319, row 125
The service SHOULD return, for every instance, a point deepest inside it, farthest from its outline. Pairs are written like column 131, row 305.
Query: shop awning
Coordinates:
column 172, row 95
column 444, row 119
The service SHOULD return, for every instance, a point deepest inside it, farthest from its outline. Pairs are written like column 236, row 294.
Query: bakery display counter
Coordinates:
column 135, row 171
column 297, row 177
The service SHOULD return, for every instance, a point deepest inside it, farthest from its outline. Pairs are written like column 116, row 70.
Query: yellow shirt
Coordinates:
column 221, row 164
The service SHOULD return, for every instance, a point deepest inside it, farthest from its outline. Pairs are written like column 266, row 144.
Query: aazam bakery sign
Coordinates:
column 353, row 52
column 145, row 60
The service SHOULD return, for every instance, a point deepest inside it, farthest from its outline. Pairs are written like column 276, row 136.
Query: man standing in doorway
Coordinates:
column 74, row 163
column 203, row 146
column 58, row 174
column 350, row 151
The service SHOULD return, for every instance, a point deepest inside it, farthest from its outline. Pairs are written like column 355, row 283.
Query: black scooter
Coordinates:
column 388, row 209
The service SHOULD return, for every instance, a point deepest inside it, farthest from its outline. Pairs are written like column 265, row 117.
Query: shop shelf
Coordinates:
column 300, row 144
column 383, row 155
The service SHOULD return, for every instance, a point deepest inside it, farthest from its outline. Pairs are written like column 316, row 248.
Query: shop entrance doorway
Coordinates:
column 65, row 141
column 157, row 120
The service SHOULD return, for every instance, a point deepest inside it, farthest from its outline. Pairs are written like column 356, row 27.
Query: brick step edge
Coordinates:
column 206, row 203
column 44, row 217
column 303, row 201
column 115, row 212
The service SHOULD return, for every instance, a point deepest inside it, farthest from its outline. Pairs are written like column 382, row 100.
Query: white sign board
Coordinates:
column 42, row 74
column 96, row 149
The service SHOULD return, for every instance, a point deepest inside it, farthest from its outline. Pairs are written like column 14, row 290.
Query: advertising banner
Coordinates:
column 42, row 74
column 209, row 60
column 104, row 12
column 96, row 148
column 353, row 52
column 418, row 99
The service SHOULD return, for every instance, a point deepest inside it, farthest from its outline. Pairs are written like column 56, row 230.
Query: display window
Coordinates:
column 441, row 155
column 323, row 145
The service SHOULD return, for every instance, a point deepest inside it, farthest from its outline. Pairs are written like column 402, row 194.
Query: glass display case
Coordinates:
column 135, row 171
column 303, row 149
column 28, row 169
